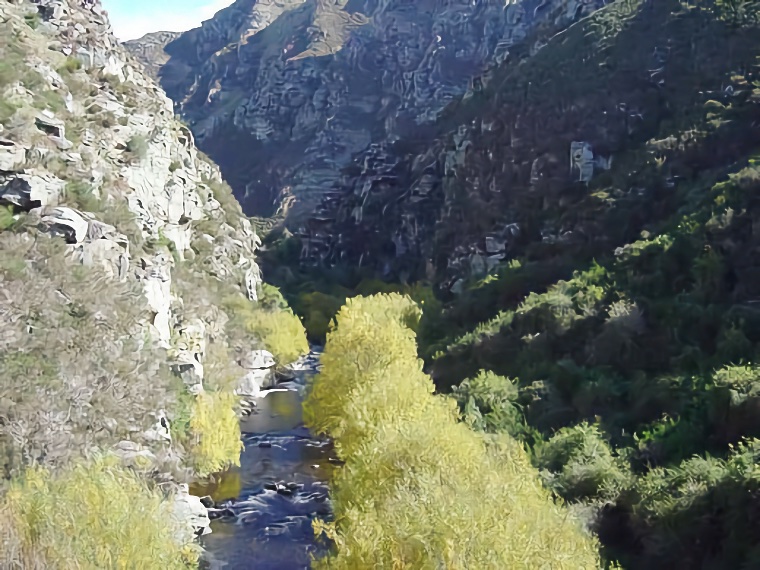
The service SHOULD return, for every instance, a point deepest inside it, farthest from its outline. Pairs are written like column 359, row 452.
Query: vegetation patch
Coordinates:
column 410, row 494
column 91, row 515
column 280, row 331
column 215, row 432
column 137, row 146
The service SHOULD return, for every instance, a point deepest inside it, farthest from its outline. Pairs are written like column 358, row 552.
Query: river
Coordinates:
column 266, row 506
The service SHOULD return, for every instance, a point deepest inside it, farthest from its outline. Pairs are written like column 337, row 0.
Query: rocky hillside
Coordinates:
column 131, row 301
column 567, row 152
column 284, row 94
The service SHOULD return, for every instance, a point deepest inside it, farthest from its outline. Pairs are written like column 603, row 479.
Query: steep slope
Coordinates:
column 130, row 297
column 592, row 216
column 557, row 155
column 283, row 94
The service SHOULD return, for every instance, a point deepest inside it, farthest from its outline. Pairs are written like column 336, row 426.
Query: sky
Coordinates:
column 132, row 19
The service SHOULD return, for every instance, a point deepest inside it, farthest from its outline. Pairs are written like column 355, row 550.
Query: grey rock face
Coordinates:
column 284, row 95
column 12, row 155
column 29, row 190
column 149, row 49
column 190, row 512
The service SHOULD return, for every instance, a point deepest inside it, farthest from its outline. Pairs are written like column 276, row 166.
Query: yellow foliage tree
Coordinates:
column 279, row 330
column 215, row 431
column 93, row 515
column 419, row 489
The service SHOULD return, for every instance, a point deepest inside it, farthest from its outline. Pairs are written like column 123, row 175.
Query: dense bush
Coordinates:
column 215, row 432
column 489, row 403
column 280, row 331
column 577, row 463
column 411, row 493
column 92, row 515
column 318, row 310
column 701, row 513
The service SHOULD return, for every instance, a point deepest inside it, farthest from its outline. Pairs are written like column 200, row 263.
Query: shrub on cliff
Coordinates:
column 92, row 515
column 411, row 493
column 76, row 370
column 280, row 331
column 214, row 432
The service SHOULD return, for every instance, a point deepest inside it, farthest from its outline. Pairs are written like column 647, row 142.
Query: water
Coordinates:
column 266, row 506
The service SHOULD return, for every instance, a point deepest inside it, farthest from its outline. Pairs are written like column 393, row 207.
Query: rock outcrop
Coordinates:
column 283, row 95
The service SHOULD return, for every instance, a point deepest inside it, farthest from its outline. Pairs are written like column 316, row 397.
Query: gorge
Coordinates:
column 522, row 230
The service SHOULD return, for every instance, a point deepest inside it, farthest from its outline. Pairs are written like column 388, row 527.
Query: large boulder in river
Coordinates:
column 190, row 511
column 259, row 366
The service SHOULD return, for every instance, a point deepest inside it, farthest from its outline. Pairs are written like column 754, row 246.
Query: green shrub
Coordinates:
column 489, row 402
column 318, row 310
column 6, row 218
column 271, row 298
column 579, row 464
column 739, row 12
column 92, row 515
column 411, row 493
column 224, row 195
column 701, row 513
column 734, row 403
column 33, row 20
column 80, row 195
column 137, row 146
column 71, row 65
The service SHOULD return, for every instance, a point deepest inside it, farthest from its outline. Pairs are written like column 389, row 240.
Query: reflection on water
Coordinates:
column 271, row 499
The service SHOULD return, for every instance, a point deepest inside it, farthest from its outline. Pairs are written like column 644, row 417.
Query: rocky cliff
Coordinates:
column 150, row 50
column 123, row 259
column 586, row 205
column 283, row 95
column 566, row 153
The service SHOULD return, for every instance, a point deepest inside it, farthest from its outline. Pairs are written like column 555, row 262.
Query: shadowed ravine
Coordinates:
column 264, row 509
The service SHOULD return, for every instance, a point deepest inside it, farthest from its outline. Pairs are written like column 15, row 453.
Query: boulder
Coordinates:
column 190, row 512
column 27, row 191
column 133, row 454
column 63, row 222
column 54, row 127
column 12, row 155
column 259, row 366
column 160, row 430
